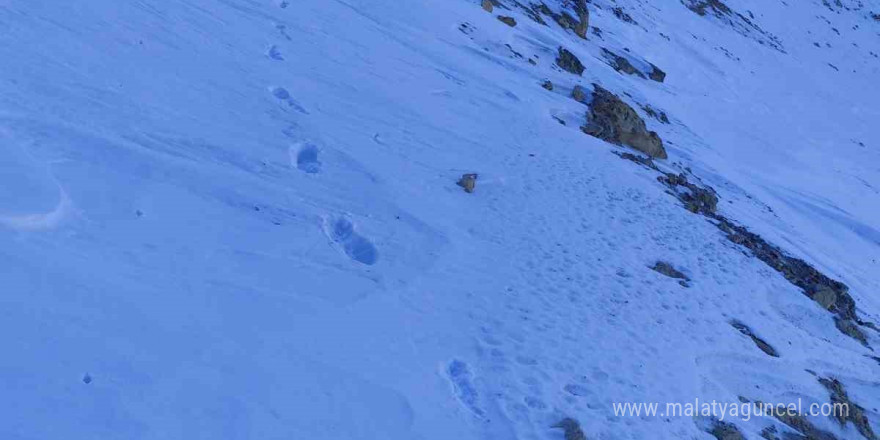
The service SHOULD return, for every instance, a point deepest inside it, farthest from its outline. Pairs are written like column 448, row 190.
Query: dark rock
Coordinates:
column 656, row 74
column 851, row 329
column 620, row 64
column 725, row 431
column 622, row 15
column 487, row 5
column 468, row 182
column 614, row 121
column 763, row 345
column 571, row 428
column 569, row 62
column 696, row 199
column 579, row 94
column 510, row 21
column 656, row 114
column 667, row 269
column 800, row 424
column 547, row 85
column 580, row 29
column 851, row 412
column 738, row 22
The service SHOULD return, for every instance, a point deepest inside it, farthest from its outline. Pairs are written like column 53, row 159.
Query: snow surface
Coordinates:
column 239, row 219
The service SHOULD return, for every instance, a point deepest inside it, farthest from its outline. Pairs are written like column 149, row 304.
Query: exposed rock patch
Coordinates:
column 725, row 431
column 623, row 64
column 828, row 293
column 510, row 21
column 670, row 271
column 614, row 121
column 738, row 22
column 571, row 428
column 853, row 413
column 565, row 20
column 656, row 114
column 569, row 62
column 762, row 344
column 468, row 182
column 547, row 84
column 487, row 5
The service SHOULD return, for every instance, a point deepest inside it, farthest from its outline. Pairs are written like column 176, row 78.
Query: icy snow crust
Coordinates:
column 239, row 219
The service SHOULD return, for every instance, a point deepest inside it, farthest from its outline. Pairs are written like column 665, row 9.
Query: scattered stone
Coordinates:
column 800, row 424
column 852, row 412
column 622, row 15
column 725, row 431
column 667, row 269
column 763, row 345
column 614, row 121
column 510, row 21
column 696, row 199
column 87, row 379
column 579, row 94
column 547, row 85
column 828, row 293
column 487, row 5
column 738, row 22
column 571, row 428
column 564, row 20
column 569, row 62
column 656, row 114
column 468, row 182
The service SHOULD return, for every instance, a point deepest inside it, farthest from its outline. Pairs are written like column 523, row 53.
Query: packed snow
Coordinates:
column 240, row 220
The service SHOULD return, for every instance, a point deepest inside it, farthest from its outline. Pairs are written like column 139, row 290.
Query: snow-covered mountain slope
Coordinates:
column 240, row 219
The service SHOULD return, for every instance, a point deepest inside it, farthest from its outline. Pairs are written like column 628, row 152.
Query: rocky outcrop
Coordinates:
column 614, row 121
column 487, row 5
column 569, row 62
column 828, row 293
column 853, row 413
column 468, row 182
column 547, row 84
column 760, row 343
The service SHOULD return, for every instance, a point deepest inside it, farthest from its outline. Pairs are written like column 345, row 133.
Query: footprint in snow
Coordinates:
column 284, row 96
column 462, row 382
column 274, row 53
column 305, row 157
column 356, row 246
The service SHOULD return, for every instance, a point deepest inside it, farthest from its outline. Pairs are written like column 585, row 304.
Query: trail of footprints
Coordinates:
column 304, row 156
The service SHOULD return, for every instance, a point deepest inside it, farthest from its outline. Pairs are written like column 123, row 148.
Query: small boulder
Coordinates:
column 614, row 121
column 571, row 428
column 487, row 5
column 569, row 62
column 656, row 74
column 510, row 21
column 547, row 85
column 667, row 269
column 468, row 182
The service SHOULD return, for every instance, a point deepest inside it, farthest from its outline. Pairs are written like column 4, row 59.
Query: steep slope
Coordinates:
column 240, row 219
